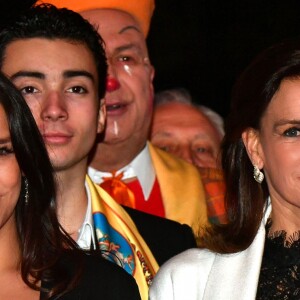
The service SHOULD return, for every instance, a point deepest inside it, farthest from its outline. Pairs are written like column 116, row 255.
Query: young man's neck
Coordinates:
column 71, row 200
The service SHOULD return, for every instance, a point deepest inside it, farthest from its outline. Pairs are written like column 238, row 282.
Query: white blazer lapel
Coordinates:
column 235, row 276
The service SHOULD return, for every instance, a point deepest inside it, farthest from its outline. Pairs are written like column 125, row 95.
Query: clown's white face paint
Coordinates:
column 128, row 70
column 116, row 128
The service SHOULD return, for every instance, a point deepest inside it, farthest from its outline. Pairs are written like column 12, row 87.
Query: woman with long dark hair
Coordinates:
column 38, row 259
column 256, row 255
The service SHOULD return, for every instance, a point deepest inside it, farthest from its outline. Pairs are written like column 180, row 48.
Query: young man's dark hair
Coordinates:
column 47, row 21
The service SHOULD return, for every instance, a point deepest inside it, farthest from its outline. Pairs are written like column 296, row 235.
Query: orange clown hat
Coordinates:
column 142, row 10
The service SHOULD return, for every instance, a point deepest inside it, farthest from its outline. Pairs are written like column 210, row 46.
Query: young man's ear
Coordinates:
column 252, row 144
column 101, row 116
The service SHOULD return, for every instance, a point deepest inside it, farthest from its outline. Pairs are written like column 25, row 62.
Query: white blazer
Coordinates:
column 201, row 274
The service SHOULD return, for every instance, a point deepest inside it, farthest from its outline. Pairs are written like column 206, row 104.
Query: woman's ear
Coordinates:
column 101, row 116
column 251, row 140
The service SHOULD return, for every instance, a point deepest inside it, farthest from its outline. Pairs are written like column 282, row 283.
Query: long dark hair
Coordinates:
column 42, row 241
column 245, row 198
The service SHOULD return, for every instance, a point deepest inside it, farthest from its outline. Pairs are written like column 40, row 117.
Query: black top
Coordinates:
column 164, row 237
column 280, row 270
column 100, row 279
column 104, row 280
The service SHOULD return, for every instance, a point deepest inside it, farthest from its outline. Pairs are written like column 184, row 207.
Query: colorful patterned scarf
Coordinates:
column 120, row 240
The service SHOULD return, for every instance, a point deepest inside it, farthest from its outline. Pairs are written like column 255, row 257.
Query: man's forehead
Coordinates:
column 112, row 21
column 21, row 45
column 30, row 54
column 118, row 29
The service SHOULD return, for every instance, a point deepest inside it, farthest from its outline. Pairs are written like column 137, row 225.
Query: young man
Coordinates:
column 158, row 183
column 56, row 59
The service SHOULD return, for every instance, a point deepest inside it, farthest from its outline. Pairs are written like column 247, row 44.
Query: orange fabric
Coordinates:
column 214, row 187
column 118, row 190
column 141, row 10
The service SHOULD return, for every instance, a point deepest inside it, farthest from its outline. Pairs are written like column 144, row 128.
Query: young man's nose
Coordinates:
column 54, row 107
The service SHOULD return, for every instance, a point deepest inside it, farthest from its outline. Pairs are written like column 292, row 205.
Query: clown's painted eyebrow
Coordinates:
column 130, row 46
column 128, row 28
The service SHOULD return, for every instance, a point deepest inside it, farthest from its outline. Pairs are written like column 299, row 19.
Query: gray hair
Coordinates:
column 182, row 95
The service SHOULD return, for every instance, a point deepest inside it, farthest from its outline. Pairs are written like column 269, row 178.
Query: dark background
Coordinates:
column 203, row 45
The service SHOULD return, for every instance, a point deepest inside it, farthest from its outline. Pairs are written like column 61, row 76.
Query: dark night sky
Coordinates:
column 203, row 45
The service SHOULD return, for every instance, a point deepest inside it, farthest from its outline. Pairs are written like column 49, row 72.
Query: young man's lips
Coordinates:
column 56, row 138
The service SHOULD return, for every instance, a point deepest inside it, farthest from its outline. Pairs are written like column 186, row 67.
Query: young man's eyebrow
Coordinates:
column 78, row 73
column 32, row 74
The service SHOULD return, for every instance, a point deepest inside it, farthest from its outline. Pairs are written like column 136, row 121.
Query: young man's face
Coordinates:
column 58, row 80
column 129, row 100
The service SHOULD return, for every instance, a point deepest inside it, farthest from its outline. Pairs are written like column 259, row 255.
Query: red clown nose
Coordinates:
column 112, row 84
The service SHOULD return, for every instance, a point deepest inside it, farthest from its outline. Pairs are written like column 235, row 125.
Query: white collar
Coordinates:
column 86, row 235
column 141, row 167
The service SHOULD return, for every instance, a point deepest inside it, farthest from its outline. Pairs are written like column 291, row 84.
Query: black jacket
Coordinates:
column 164, row 237
column 100, row 279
